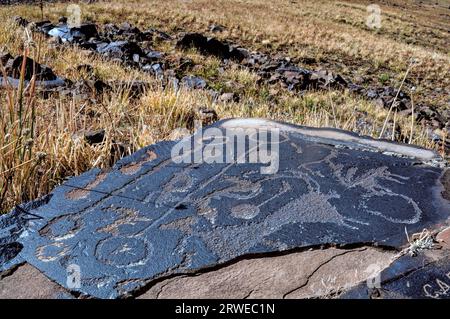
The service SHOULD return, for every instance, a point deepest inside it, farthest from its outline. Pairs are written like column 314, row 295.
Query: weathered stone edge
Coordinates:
column 338, row 137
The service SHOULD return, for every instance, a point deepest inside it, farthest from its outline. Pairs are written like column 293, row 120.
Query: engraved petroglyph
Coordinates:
column 52, row 252
column 62, row 227
column 168, row 218
column 134, row 167
column 123, row 252
column 125, row 216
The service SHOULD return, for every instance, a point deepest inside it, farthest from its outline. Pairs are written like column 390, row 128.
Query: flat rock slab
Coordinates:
column 431, row 280
column 150, row 217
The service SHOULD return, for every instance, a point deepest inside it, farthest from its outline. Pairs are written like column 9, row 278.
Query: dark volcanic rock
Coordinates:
column 193, row 82
column 216, row 28
column 229, row 97
column 210, row 46
column 94, row 137
column 43, row 72
column 45, row 78
column 386, row 97
column 128, row 44
column 123, row 50
column 74, row 34
column 20, row 21
column 152, row 216
column 84, row 89
column 207, row 116
column 43, row 26
column 124, row 32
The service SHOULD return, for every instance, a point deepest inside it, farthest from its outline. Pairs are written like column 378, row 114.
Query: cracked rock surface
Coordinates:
column 297, row 275
column 144, row 227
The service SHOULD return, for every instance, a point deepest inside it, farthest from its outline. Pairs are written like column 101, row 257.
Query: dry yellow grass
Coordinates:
column 330, row 31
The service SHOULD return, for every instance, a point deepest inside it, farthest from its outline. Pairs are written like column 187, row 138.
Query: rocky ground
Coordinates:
column 130, row 46
column 80, row 99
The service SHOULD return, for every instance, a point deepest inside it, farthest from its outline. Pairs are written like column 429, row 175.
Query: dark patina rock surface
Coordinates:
column 409, row 277
column 150, row 217
column 12, row 225
column 43, row 74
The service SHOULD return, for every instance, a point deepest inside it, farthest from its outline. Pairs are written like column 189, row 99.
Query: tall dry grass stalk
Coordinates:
column 394, row 101
column 17, row 124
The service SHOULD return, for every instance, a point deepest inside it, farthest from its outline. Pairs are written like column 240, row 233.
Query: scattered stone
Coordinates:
column 86, row 89
column 94, row 137
column 154, row 55
column 193, row 82
column 118, row 43
column 86, row 68
column 158, row 34
column 45, row 78
column 408, row 277
column 43, row 73
column 122, row 50
column 327, row 78
column 207, row 116
column 125, row 32
column 308, row 274
column 284, row 71
column 20, row 21
column 62, row 20
column 155, row 69
column 216, row 28
column 126, row 44
column 386, row 96
column 73, row 34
